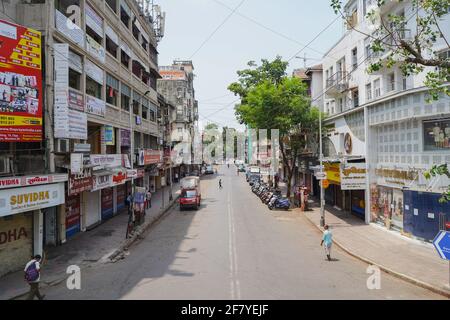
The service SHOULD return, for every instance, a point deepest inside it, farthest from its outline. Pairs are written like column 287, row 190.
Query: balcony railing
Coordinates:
column 337, row 83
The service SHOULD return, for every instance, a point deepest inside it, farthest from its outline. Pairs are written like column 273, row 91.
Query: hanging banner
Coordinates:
column 93, row 20
column 125, row 138
column 76, row 100
column 95, row 49
column 61, row 83
column 95, row 106
column 353, row 176
column 76, row 163
column 94, row 72
column 78, row 125
column 20, row 84
column 69, row 29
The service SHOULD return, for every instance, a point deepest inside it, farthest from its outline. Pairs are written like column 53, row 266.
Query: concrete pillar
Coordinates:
column 62, row 222
column 38, row 232
column 368, row 165
column 83, row 208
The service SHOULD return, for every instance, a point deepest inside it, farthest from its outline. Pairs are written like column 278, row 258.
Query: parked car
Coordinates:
column 209, row 169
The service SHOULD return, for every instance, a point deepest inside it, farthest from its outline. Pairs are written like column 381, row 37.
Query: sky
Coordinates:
column 239, row 40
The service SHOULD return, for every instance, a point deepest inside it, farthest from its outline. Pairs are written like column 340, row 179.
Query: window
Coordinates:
column 153, row 54
column 145, row 108
column 125, row 14
column 391, row 82
column 63, row 5
column 404, row 83
column 125, row 94
column 137, row 68
column 111, row 47
column 93, row 88
column 355, row 98
column 94, row 36
column 352, row 20
column 136, row 32
column 152, row 115
column 376, row 88
column 74, row 79
column 436, row 135
column 136, row 104
column 355, row 58
column 369, row 91
column 124, row 59
column 327, row 108
column 144, row 44
column 112, row 90
column 112, row 4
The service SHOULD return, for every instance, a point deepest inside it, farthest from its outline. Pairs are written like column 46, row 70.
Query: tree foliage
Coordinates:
column 272, row 100
column 393, row 43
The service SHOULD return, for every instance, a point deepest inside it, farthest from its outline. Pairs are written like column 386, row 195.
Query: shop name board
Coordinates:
column 30, row 180
column 80, row 183
column 410, row 175
column 13, row 235
column 148, row 156
column 19, row 200
column 112, row 160
column 353, row 176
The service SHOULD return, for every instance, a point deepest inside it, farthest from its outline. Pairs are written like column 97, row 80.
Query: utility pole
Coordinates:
column 322, row 191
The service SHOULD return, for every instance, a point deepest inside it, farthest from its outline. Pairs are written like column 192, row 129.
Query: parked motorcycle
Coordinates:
column 279, row 203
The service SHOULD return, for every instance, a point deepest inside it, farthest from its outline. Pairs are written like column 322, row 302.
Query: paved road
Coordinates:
column 233, row 248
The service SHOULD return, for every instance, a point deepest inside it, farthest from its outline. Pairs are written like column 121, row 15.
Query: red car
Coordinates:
column 190, row 198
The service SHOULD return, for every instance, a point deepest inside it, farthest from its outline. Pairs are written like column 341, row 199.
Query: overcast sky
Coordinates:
column 190, row 22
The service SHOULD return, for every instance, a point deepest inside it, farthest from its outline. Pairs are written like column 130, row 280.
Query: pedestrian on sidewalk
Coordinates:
column 327, row 240
column 148, row 198
column 33, row 276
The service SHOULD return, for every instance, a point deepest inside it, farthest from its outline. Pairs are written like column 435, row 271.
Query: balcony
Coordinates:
column 337, row 84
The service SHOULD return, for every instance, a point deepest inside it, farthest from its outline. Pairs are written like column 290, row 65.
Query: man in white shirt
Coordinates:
column 33, row 276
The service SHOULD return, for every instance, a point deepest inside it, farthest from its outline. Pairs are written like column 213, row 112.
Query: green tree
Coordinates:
column 272, row 100
column 411, row 50
column 441, row 170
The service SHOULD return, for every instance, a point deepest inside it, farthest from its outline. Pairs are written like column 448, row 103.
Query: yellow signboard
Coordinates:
column 333, row 172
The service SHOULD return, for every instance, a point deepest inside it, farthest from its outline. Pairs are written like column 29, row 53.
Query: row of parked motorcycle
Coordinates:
column 270, row 196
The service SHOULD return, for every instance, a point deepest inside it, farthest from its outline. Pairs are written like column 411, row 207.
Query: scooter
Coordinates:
column 267, row 197
column 279, row 203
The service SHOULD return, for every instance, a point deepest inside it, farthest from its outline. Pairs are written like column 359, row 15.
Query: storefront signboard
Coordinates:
column 353, row 176
column 333, row 172
column 12, row 182
column 95, row 106
column 19, row 200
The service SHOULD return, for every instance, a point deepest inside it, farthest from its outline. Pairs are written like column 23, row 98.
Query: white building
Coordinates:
column 384, row 121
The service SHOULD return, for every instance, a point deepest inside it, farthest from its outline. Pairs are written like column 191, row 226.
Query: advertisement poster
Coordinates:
column 109, row 137
column 20, row 84
column 78, row 125
column 125, row 138
column 72, row 215
column 148, row 156
column 80, row 183
column 76, row 100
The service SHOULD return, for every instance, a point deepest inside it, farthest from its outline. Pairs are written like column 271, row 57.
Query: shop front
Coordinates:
column 333, row 193
column 107, row 203
column 22, row 218
column 353, row 176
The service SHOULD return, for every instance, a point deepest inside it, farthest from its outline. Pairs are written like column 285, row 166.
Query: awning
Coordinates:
column 155, row 73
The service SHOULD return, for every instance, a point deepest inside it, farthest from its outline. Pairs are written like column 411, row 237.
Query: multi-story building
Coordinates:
column 100, row 110
column 177, row 87
column 381, row 123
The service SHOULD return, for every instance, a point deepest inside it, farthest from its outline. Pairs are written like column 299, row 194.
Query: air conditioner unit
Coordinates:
column 62, row 146
column 4, row 165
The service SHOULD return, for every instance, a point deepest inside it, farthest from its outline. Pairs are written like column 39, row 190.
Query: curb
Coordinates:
column 435, row 289
column 140, row 230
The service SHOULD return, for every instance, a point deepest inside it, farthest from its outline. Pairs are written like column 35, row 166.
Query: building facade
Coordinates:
column 177, row 87
column 101, row 133
column 381, row 127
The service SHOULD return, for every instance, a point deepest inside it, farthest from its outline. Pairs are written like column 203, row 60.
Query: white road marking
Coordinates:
column 235, row 285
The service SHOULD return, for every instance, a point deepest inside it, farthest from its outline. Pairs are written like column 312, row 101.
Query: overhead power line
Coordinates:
column 217, row 29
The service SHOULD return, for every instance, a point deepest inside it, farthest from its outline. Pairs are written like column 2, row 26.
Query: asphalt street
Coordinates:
column 234, row 247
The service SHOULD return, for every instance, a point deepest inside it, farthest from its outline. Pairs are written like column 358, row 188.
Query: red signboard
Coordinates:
column 20, row 84
column 72, row 214
column 78, row 185
column 148, row 156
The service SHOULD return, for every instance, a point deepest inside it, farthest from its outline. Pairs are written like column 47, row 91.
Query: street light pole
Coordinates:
column 322, row 191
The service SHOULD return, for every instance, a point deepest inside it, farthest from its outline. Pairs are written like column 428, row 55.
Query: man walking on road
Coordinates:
column 328, row 241
column 220, row 183
column 33, row 276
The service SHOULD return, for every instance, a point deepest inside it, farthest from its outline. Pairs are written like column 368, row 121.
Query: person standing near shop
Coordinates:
column 148, row 198
column 327, row 241
column 33, row 276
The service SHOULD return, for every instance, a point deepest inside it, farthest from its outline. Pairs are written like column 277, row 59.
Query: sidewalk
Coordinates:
column 86, row 248
column 409, row 259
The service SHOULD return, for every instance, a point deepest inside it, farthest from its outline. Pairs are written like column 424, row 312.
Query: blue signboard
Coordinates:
column 442, row 244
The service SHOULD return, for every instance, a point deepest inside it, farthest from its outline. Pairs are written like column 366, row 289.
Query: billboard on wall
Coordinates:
column 173, row 74
column 20, row 84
